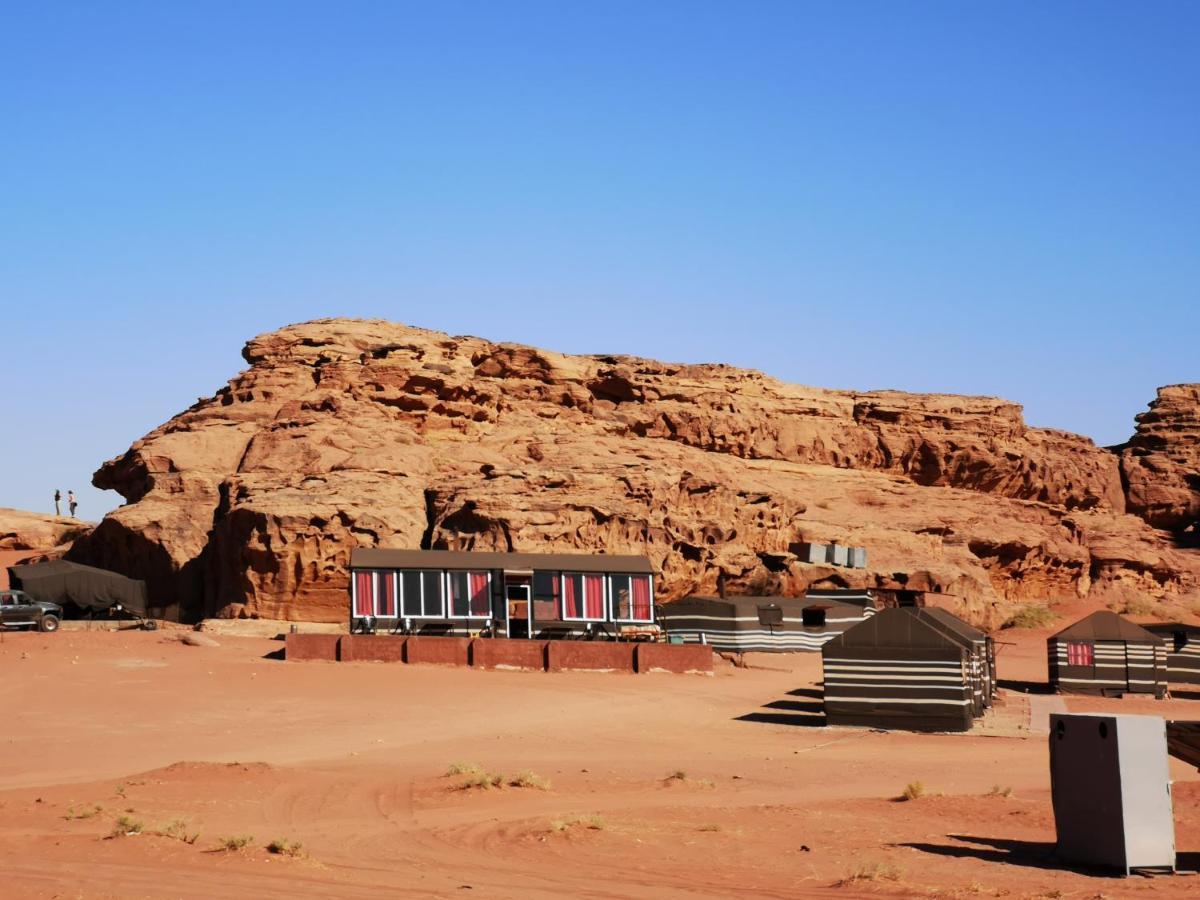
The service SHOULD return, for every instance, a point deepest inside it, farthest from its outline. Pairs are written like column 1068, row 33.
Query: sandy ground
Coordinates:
column 350, row 760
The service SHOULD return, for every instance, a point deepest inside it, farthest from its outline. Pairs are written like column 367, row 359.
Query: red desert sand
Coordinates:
column 134, row 766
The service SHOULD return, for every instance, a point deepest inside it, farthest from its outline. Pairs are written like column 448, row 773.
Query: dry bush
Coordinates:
column 591, row 823
column 284, row 847
column 1030, row 616
column 870, row 871
column 912, row 791
column 529, row 779
column 126, row 826
column 83, row 813
column 998, row 791
column 235, row 843
column 464, row 768
column 177, row 830
column 1139, row 606
column 482, row 781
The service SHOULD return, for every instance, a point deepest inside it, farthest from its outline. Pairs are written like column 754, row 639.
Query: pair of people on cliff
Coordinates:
column 71, row 504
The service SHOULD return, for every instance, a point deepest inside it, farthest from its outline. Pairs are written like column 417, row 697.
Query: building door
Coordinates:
column 519, row 610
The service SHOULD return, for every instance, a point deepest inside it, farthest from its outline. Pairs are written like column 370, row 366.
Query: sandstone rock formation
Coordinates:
column 22, row 530
column 346, row 433
column 1161, row 462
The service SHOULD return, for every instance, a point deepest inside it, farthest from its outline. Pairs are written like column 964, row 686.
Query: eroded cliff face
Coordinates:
column 346, row 433
column 1161, row 462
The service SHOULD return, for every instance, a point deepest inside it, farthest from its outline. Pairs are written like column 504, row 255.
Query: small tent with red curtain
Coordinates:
column 1106, row 654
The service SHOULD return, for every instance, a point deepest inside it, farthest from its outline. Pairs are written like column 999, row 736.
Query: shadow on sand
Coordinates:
column 1024, row 687
column 1031, row 854
column 809, row 713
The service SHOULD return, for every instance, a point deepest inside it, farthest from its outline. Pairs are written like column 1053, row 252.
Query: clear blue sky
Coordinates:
column 964, row 197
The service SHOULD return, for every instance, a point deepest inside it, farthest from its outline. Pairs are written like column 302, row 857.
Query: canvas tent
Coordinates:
column 1106, row 654
column 902, row 668
column 1183, row 651
column 983, row 664
column 84, row 587
column 771, row 624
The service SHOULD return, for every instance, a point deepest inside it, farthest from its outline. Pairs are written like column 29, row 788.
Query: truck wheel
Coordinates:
column 149, row 625
column 49, row 623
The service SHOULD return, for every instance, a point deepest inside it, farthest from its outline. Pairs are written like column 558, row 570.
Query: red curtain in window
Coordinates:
column 387, row 595
column 364, row 593
column 570, row 603
column 1079, row 654
column 593, row 596
column 481, row 603
column 641, row 598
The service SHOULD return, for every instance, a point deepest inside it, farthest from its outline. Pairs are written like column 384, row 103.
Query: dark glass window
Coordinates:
column 431, row 585
column 545, row 585
column 410, row 588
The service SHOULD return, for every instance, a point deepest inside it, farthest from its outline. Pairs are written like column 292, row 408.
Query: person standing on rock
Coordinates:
column 57, row 500
column 71, row 504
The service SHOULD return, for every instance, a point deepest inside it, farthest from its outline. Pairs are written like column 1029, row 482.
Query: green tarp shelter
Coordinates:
column 71, row 584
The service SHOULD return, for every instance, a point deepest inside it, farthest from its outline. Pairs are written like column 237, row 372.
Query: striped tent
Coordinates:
column 772, row 624
column 1183, row 651
column 1105, row 654
column 902, row 668
column 983, row 657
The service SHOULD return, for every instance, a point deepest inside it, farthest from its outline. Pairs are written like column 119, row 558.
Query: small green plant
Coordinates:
column 912, row 791
column 1030, row 616
column 529, row 779
column 126, row 826
column 870, row 871
column 464, row 768
column 177, row 830
column 284, row 847
column 72, row 813
column 998, row 791
column 591, row 823
column 235, row 843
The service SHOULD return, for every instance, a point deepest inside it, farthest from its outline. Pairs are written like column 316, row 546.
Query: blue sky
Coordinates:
column 957, row 197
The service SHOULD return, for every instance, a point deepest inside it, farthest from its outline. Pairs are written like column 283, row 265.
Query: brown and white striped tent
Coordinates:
column 1105, row 654
column 1183, row 651
column 903, row 668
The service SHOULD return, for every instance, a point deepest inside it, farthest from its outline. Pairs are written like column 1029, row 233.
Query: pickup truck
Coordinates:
column 19, row 610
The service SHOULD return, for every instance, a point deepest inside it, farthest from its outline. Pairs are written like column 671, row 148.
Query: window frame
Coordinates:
column 401, row 593
column 448, row 596
column 1085, row 649
column 386, row 573
column 605, row 615
column 614, row 608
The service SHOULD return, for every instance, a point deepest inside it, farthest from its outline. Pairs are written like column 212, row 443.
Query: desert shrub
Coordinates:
column 1138, row 606
column 464, row 768
column 912, row 791
column 125, row 826
column 73, row 813
column 677, row 775
column 177, row 830
column 591, row 823
column 481, row 781
column 870, row 871
column 709, row 826
column 998, row 791
column 284, row 847
column 1030, row 616
column 528, row 779
column 235, row 843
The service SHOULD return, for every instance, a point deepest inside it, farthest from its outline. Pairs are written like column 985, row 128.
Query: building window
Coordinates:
column 385, row 595
column 364, row 594
column 583, row 596
column 1079, row 654
column 470, row 594
column 813, row 617
column 630, row 596
column 545, row 586
column 422, row 594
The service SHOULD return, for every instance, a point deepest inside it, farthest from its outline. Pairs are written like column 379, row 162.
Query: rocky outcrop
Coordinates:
column 1161, row 462
column 345, row 433
column 22, row 530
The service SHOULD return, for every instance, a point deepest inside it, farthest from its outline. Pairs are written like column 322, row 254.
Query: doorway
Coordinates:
column 516, row 597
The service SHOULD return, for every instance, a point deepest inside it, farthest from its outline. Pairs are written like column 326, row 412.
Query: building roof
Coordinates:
column 1106, row 626
column 733, row 606
column 955, row 624
column 1168, row 629
column 379, row 558
column 904, row 626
